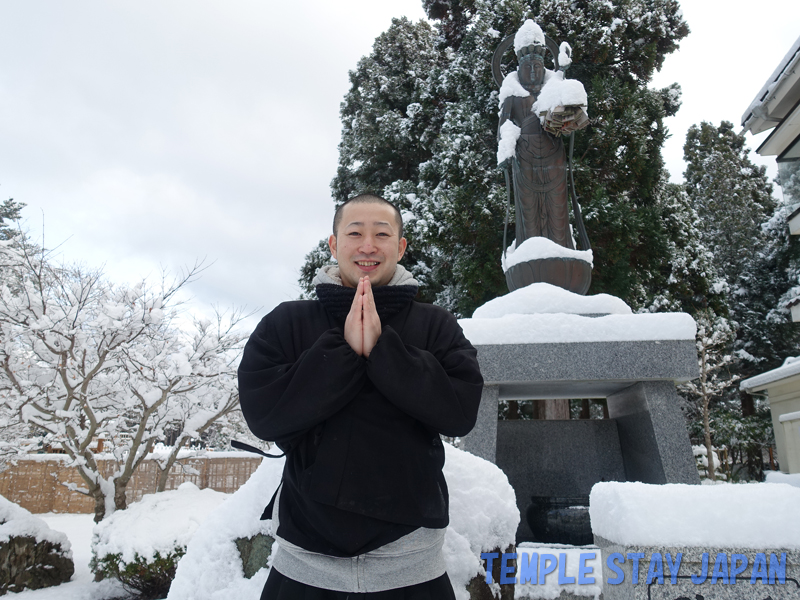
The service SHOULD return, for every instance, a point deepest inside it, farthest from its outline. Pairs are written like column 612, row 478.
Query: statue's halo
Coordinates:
column 497, row 72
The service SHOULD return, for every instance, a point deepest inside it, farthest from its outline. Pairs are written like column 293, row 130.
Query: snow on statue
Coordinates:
column 537, row 107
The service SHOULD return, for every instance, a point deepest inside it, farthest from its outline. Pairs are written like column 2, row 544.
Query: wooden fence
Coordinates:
column 39, row 483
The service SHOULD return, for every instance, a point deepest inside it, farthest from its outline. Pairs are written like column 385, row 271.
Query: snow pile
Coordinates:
column 212, row 566
column 157, row 523
column 561, row 328
column 754, row 515
column 528, row 35
column 538, row 247
column 507, row 144
column 551, row 588
column 778, row 477
column 15, row 521
column 541, row 298
column 558, row 91
column 483, row 515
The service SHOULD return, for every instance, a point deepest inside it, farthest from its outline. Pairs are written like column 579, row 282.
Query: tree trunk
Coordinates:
column 709, row 448
column 706, row 424
column 163, row 474
column 585, row 412
column 120, row 501
column 748, row 404
column 99, row 504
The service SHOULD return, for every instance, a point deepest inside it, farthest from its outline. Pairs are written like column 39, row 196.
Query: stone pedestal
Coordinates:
column 644, row 440
column 726, row 588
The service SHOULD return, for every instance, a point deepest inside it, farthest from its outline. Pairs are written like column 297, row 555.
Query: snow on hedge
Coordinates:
column 483, row 516
column 754, row 515
column 157, row 523
column 536, row 248
column 562, row 328
column 541, row 298
column 18, row 522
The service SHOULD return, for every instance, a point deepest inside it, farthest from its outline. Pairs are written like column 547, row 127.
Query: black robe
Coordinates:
column 364, row 457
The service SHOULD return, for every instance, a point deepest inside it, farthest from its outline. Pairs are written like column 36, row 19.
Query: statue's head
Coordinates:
column 530, row 46
column 531, row 66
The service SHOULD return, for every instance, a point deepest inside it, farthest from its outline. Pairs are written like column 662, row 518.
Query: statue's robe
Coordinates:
column 540, row 177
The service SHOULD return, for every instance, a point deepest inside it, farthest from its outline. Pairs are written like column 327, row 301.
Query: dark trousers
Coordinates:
column 280, row 587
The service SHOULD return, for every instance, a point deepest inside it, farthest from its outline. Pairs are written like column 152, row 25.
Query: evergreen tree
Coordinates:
column 435, row 84
column 746, row 230
column 9, row 212
column 731, row 195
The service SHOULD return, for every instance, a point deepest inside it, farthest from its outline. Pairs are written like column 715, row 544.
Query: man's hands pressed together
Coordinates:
column 362, row 328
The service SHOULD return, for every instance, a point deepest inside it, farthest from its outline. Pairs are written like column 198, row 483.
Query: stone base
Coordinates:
column 26, row 564
column 556, row 458
column 691, row 564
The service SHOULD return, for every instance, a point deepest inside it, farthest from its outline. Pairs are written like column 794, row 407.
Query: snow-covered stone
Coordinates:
column 16, row 521
column 32, row 555
column 537, row 247
column 483, row 513
column 545, row 298
column 778, row 477
column 551, row 589
column 755, row 515
column 559, row 328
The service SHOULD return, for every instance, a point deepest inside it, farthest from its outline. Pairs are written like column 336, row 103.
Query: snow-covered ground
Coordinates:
column 78, row 529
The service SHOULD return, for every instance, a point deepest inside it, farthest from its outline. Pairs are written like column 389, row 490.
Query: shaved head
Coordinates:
column 366, row 199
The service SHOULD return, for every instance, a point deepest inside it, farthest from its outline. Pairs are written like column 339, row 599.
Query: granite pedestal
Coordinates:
column 645, row 438
column 723, row 588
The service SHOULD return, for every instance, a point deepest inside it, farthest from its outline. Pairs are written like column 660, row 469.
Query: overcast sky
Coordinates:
column 147, row 133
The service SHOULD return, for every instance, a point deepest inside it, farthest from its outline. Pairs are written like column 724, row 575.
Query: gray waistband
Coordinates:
column 414, row 558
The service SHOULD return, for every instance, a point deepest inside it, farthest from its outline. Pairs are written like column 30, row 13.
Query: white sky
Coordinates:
column 151, row 132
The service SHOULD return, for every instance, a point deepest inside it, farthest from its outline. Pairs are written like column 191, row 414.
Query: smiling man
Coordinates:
column 356, row 388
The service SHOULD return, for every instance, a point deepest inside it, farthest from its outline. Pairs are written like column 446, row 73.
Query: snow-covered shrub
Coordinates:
column 32, row 556
column 141, row 546
column 483, row 517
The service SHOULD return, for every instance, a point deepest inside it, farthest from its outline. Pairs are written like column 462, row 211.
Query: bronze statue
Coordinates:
column 539, row 166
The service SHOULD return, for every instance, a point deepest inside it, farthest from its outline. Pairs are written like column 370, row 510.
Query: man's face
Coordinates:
column 367, row 243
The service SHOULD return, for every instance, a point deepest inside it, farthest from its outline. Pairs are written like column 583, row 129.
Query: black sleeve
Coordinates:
column 440, row 387
column 282, row 395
